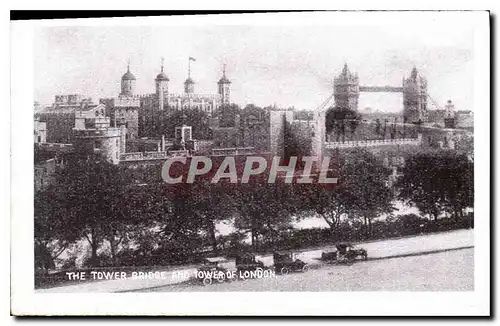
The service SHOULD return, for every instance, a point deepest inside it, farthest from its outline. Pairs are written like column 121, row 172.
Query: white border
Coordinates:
column 24, row 301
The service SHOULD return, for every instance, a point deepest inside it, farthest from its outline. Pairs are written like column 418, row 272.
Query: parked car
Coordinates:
column 211, row 270
column 285, row 262
column 345, row 253
column 248, row 262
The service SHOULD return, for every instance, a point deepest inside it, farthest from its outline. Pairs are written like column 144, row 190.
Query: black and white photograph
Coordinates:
column 272, row 156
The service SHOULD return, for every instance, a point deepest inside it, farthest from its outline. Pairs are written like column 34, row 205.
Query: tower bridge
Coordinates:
column 414, row 88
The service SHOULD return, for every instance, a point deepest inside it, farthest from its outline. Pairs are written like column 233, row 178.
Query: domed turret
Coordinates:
column 224, row 79
column 128, row 83
column 161, row 82
column 189, row 86
column 128, row 76
column 162, row 75
column 223, row 88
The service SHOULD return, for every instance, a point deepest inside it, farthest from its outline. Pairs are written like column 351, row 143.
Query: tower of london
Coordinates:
column 141, row 112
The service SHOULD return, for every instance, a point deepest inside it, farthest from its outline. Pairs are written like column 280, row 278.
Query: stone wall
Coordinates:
column 59, row 126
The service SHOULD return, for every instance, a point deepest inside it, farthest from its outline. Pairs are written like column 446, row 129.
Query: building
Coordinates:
column 59, row 118
column 124, row 109
column 70, row 102
column 464, row 119
column 436, row 118
column 255, row 128
column 156, row 107
column 94, row 135
column 40, row 131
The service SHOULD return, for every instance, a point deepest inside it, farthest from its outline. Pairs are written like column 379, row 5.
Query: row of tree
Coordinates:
column 134, row 212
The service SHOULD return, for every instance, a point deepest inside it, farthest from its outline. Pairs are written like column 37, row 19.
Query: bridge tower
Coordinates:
column 415, row 98
column 346, row 89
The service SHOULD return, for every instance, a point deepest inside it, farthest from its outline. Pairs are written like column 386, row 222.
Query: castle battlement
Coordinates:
column 194, row 96
column 375, row 142
column 98, row 133
column 126, row 101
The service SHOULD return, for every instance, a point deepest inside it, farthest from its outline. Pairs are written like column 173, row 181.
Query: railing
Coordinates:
column 194, row 96
column 145, row 156
column 155, row 155
column 178, row 153
column 132, row 156
column 54, row 146
column 139, row 156
column 373, row 142
column 233, row 151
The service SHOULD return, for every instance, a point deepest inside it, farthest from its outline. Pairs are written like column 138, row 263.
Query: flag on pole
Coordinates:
column 192, row 59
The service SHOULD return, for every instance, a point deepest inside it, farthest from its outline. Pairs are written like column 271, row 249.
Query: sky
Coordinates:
column 282, row 65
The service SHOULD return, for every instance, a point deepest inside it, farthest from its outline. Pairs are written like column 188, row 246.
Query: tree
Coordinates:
column 438, row 181
column 365, row 178
column 332, row 204
column 172, row 210
column 338, row 119
column 195, row 118
column 227, row 114
column 410, row 224
column 263, row 208
column 360, row 192
column 52, row 238
column 231, row 243
column 92, row 201
column 211, row 203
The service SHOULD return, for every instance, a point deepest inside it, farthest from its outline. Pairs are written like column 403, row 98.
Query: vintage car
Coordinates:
column 248, row 262
column 211, row 270
column 345, row 253
column 284, row 262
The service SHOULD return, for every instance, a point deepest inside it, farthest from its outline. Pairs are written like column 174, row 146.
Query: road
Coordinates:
column 376, row 250
column 446, row 271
